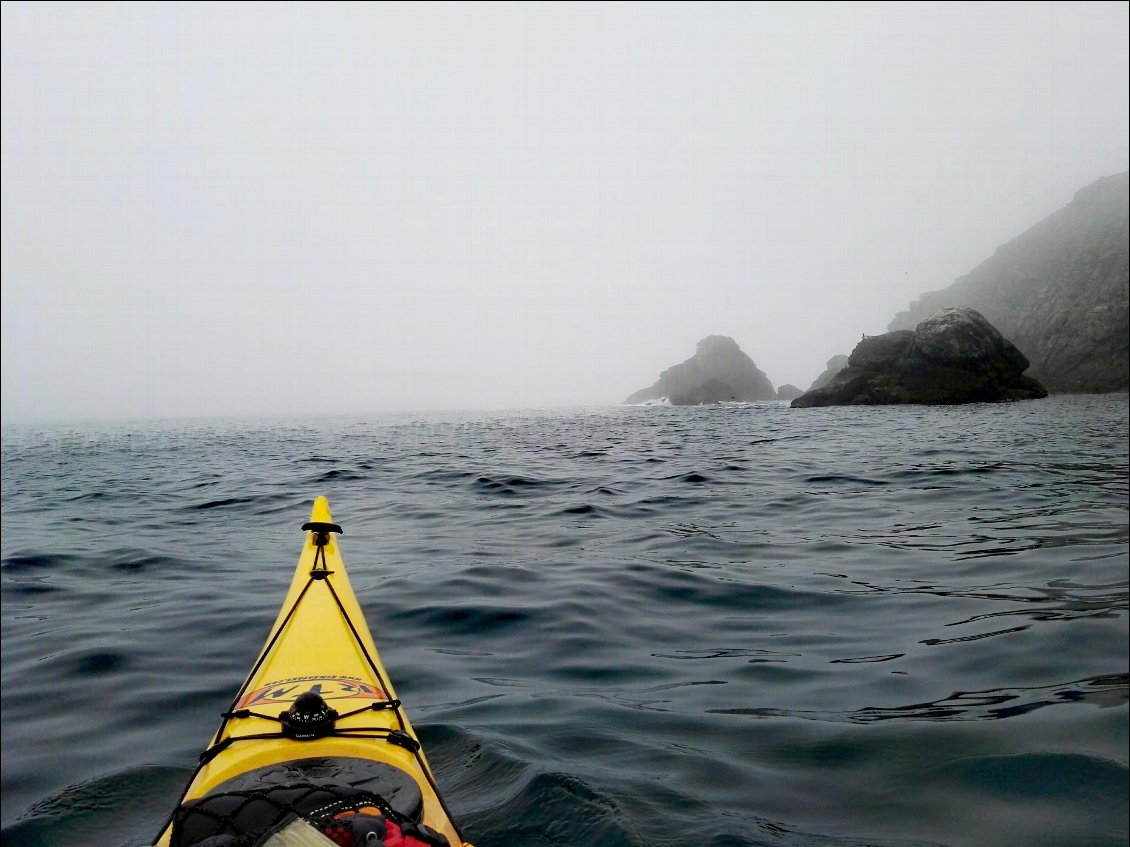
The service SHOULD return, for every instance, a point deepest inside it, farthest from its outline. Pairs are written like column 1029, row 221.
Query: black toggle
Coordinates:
column 321, row 531
column 212, row 752
column 402, row 739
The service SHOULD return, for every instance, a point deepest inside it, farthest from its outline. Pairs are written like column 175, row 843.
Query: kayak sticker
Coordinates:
column 330, row 688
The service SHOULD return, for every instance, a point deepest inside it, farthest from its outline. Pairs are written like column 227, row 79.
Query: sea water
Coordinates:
column 742, row 624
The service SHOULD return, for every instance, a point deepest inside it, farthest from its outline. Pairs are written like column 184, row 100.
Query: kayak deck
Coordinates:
column 319, row 693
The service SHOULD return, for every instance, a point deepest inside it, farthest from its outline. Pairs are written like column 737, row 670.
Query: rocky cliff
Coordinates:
column 718, row 371
column 1059, row 292
column 835, row 365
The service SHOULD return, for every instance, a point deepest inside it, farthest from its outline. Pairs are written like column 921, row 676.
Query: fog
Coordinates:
column 261, row 209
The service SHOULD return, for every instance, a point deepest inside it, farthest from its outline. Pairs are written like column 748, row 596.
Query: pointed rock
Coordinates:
column 718, row 372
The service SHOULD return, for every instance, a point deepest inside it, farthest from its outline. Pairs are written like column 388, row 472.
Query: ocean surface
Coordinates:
column 727, row 625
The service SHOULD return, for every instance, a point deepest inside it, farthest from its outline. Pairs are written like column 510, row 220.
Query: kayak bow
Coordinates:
column 317, row 713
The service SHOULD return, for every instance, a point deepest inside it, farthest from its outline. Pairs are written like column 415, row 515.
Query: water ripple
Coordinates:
column 742, row 624
column 994, row 704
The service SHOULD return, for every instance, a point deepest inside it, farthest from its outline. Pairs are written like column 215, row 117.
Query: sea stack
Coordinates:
column 954, row 356
column 718, row 372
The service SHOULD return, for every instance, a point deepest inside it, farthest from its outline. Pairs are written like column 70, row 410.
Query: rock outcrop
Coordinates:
column 1059, row 292
column 718, row 372
column 788, row 391
column 834, row 366
column 954, row 356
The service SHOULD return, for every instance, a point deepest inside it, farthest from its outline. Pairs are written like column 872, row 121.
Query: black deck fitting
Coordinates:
column 322, row 531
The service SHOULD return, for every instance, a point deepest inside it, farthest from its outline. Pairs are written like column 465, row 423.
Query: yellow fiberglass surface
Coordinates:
column 319, row 643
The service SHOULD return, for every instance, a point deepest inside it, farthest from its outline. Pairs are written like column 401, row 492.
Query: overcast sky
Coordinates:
column 257, row 208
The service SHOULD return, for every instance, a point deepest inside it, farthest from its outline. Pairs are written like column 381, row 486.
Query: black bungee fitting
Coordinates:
column 321, row 531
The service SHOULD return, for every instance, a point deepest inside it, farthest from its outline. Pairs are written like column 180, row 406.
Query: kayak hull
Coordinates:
column 319, row 644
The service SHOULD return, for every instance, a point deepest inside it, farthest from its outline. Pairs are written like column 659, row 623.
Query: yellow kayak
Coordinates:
column 316, row 744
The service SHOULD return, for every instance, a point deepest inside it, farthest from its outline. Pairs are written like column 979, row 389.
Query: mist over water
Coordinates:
column 731, row 625
column 212, row 209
